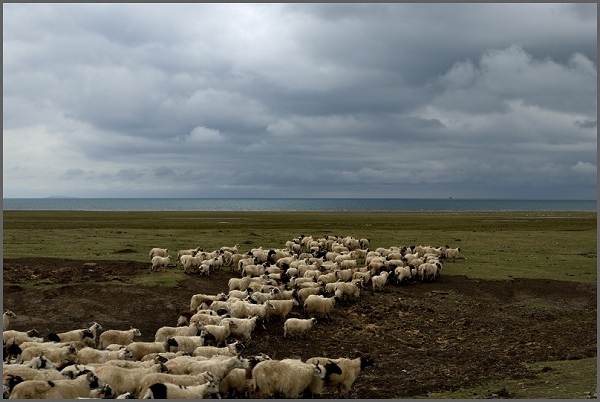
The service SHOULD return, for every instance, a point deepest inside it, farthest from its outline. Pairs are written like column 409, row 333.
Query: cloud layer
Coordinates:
column 300, row 100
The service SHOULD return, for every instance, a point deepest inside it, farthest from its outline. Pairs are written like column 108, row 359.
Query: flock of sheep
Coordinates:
column 196, row 358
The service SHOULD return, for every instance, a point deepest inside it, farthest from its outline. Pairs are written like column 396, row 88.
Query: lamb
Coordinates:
column 350, row 370
column 319, row 305
column 297, row 326
column 287, row 378
column 6, row 319
column 451, row 253
column 125, row 379
column 173, row 391
column 91, row 355
column 140, row 349
column 160, row 263
column 113, row 336
column 233, row 349
column 185, row 343
column 379, row 281
column 243, row 327
column 160, row 252
column 59, row 389
column 163, row 333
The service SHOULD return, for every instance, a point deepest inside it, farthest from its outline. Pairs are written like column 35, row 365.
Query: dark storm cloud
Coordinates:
column 300, row 99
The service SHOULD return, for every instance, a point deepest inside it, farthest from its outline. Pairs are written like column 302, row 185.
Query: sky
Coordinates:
column 296, row 100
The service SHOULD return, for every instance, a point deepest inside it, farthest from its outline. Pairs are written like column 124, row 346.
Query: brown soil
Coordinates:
column 424, row 337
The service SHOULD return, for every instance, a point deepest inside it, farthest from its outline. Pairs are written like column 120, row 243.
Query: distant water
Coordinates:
column 295, row 204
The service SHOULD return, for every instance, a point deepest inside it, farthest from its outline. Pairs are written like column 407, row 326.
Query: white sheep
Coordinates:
column 404, row 274
column 173, row 391
column 59, row 389
column 379, row 281
column 6, row 319
column 297, row 326
column 319, row 305
column 282, row 308
column 141, row 349
column 71, row 336
column 349, row 371
column 91, row 355
column 219, row 367
column 18, row 337
column 220, row 333
column 114, row 336
column 91, row 342
column 288, row 378
column 160, row 252
column 177, row 379
column 160, row 263
column 184, row 343
column 163, row 333
column 125, row 379
column 231, row 350
column 55, row 355
column 189, row 262
column 243, row 327
column 197, row 299
column 451, row 253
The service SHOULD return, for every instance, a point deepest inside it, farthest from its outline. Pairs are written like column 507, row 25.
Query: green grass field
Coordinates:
column 550, row 245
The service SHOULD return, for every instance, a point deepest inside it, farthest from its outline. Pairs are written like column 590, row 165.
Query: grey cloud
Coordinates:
column 586, row 123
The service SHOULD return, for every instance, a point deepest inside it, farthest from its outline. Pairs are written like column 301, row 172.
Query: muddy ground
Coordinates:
column 424, row 337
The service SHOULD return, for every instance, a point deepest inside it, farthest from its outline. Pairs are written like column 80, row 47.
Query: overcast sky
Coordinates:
column 300, row 100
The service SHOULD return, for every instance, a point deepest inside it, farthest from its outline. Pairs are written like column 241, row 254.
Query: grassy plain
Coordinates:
column 548, row 245
column 500, row 246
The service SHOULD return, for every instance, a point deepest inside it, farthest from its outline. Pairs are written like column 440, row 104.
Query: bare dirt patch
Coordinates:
column 428, row 337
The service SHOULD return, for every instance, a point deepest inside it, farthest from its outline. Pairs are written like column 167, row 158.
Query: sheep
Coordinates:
column 6, row 319
column 404, row 274
column 219, row 332
column 91, row 355
column 113, row 336
column 71, row 336
column 238, row 382
column 9, row 383
column 282, row 308
column 219, row 367
column 297, row 326
column 243, row 327
column 55, row 355
column 451, row 253
column 11, row 352
column 287, row 378
column 349, row 371
column 160, row 263
column 185, row 343
column 347, row 291
column 197, row 299
column 233, row 349
column 177, row 379
column 305, row 293
column 39, row 368
column 206, row 319
column 191, row 252
column 189, row 262
column 18, row 337
column 379, row 281
column 140, row 349
column 429, row 272
column 59, row 389
column 319, row 305
column 160, row 252
column 91, row 342
column 125, row 379
column 167, row 332
column 172, row 391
